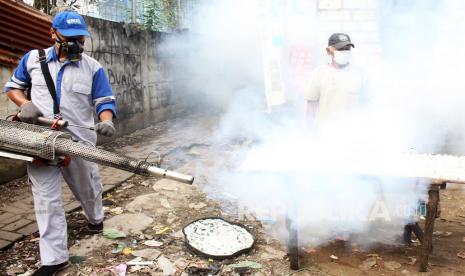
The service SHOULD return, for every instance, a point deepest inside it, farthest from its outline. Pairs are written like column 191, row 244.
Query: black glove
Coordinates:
column 29, row 113
column 105, row 128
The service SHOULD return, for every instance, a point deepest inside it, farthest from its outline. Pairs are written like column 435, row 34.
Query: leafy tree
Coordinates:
column 160, row 15
column 53, row 6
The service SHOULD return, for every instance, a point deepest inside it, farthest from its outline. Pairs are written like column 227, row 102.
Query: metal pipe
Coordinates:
column 37, row 141
column 184, row 178
column 133, row 12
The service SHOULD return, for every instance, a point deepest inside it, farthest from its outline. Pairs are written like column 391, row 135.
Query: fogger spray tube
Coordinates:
column 42, row 142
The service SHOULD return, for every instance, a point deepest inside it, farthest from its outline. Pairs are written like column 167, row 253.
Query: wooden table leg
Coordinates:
column 293, row 245
column 426, row 246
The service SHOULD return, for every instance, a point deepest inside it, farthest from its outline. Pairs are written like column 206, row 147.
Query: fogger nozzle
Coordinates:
column 45, row 143
column 184, row 178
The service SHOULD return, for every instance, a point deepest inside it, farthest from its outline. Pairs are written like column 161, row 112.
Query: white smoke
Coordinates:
column 416, row 92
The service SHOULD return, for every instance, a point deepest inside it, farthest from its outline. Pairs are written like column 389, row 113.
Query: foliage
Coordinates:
column 51, row 7
column 160, row 15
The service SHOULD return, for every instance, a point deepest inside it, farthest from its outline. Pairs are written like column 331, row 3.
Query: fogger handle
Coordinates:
column 51, row 122
column 184, row 178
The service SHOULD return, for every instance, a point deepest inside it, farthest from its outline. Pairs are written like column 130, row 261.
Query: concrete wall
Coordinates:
column 9, row 169
column 358, row 18
column 140, row 76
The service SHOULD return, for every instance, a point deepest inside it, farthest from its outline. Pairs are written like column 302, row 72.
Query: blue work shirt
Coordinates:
column 82, row 88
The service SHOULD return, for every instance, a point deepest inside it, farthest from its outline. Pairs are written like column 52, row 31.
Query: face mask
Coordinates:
column 73, row 49
column 342, row 57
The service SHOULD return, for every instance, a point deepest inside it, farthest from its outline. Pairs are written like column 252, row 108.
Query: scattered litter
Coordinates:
column 38, row 239
column 368, row 263
column 164, row 202
column 405, row 272
column 412, row 260
column 442, row 233
column 309, row 250
column 134, row 242
column 77, row 259
column 27, row 273
column 197, row 206
column 113, row 234
column 148, row 253
column 153, row 243
column 271, row 253
column 127, row 251
column 177, row 235
column 127, row 187
column 392, row 265
column 461, row 255
column 107, row 202
column 246, row 264
column 166, row 266
column 117, row 270
column 162, row 231
column 334, row 258
column 118, row 248
column 205, row 269
column 15, row 270
column 117, row 210
column 135, row 268
column 181, row 263
column 145, row 183
column 139, row 261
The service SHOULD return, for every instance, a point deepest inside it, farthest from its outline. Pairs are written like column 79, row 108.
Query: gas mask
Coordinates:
column 73, row 49
column 342, row 57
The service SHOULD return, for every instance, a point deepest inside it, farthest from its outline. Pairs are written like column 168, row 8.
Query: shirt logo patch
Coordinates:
column 73, row 21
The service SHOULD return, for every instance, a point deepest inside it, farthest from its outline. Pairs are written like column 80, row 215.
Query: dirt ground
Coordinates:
column 157, row 209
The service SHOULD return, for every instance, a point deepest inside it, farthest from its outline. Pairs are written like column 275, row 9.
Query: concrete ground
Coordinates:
column 151, row 212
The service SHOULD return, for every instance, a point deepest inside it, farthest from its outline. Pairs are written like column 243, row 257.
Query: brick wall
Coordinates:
column 357, row 18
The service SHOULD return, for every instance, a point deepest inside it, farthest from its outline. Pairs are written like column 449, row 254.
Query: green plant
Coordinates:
column 160, row 15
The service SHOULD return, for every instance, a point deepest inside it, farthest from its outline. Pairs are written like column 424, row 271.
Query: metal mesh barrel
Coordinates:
column 45, row 143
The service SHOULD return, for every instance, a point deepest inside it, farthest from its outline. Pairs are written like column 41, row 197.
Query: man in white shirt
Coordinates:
column 336, row 90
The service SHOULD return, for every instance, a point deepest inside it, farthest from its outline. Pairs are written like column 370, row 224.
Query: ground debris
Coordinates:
column 368, row 263
column 15, row 269
column 116, row 270
column 412, row 260
column 113, row 234
column 148, row 253
column 153, row 243
column 166, row 266
column 392, row 265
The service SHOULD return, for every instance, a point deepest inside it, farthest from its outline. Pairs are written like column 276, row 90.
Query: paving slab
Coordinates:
column 11, row 219
column 9, row 236
column 4, row 244
column 16, row 225
column 28, row 229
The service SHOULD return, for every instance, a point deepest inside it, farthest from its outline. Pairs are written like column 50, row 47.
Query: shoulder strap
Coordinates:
column 49, row 81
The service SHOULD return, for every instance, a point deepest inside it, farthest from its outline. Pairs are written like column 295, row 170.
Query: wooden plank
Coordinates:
column 427, row 243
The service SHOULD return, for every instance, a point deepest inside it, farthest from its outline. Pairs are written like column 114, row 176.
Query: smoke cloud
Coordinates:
column 238, row 49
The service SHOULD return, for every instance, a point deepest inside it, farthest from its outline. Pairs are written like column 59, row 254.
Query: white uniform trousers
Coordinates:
column 83, row 179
